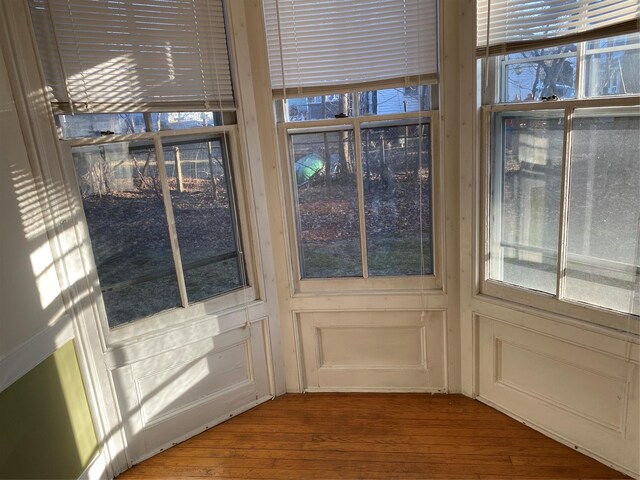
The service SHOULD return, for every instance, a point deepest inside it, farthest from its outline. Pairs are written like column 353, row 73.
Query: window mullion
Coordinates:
column 231, row 195
column 356, row 104
column 493, row 200
column 491, row 91
column 298, row 259
column 581, row 66
column 564, row 204
column 171, row 221
column 357, row 138
column 499, row 91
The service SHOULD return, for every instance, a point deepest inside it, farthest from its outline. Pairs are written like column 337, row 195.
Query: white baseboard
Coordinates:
column 97, row 469
column 559, row 438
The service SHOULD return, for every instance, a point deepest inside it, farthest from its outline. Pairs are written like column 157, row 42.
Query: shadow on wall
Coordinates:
column 46, row 428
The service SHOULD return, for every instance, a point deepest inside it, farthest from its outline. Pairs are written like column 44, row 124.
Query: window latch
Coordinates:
column 549, row 98
column 341, row 115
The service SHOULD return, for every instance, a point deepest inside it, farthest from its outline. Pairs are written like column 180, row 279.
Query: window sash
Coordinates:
column 557, row 301
column 105, row 56
column 507, row 26
column 431, row 281
column 494, row 80
column 228, row 136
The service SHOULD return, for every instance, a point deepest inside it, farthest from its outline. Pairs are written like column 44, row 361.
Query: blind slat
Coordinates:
column 105, row 56
column 516, row 25
column 337, row 44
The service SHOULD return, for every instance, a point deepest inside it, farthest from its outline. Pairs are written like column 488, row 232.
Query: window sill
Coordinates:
column 428, row 284
column 169, row 319
column 528, row 301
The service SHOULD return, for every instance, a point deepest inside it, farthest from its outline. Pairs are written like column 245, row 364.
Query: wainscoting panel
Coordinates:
column 193, row 387
column 583, row 395
column 373, row 350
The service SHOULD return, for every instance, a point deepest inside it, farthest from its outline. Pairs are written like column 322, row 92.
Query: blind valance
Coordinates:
column 517, row 25
column 133, row 55
column 332, row 45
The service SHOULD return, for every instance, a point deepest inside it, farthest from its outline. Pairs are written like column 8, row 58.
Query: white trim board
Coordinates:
column 30, row 354
column 556, row 437
column 96, row 470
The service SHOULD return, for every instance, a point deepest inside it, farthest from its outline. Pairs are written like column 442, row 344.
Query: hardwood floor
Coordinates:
column 376, row 436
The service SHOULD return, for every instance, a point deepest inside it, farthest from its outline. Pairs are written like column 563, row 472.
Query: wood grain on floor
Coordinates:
column 376, row 436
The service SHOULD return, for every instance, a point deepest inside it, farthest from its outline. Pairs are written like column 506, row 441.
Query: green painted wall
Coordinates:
column 45, row 424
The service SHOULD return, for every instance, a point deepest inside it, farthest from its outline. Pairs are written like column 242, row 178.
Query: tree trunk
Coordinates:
column 346, row 167
column 176, row 152
column 214, row 183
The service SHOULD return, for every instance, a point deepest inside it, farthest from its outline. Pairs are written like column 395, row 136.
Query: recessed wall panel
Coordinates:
column 184, row 384
column 371, row 346
column 585, row 394
column 592, row 394
column 185, row 390
column 373, row 350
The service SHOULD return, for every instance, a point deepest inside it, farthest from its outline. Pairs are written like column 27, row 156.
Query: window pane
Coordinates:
column 395, row 100
column 327, row 204
column 212, row 279
column 604, row 205
column 318, row 108
column 205, row 221
column 183, row 120
column 529, row 76
column 396, row 168
column 525, row 206
column 613, row 65
column 96, row 125
column 122, row 200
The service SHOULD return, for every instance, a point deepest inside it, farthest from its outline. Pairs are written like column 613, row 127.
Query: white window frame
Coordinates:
column 502, row 291
column 180, row 315
column 426, row 284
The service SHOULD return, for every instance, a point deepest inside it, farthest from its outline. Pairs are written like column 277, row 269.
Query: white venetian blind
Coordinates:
column 331, row 44
column 517, row 25
column 133, row 55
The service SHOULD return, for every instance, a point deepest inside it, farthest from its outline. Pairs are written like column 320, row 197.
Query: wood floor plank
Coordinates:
column 275, row 474
column 328, row 428
column 375, row 436
column 337, row 455
column 381, row 421
column 397, row 443
column 337, row 466
column 255, row 440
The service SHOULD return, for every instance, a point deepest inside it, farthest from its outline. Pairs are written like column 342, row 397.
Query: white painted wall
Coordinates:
column 33, row 323
column 35, row 293
column 29, row 287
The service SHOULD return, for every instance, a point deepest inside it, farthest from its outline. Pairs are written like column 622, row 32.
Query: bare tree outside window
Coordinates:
column 122, row 196
column 540, row 74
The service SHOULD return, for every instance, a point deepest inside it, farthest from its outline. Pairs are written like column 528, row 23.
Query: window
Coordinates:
column 124, row 187
column 563, row 151
column 144, row 105
column 363, row 210
column 356, row 90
